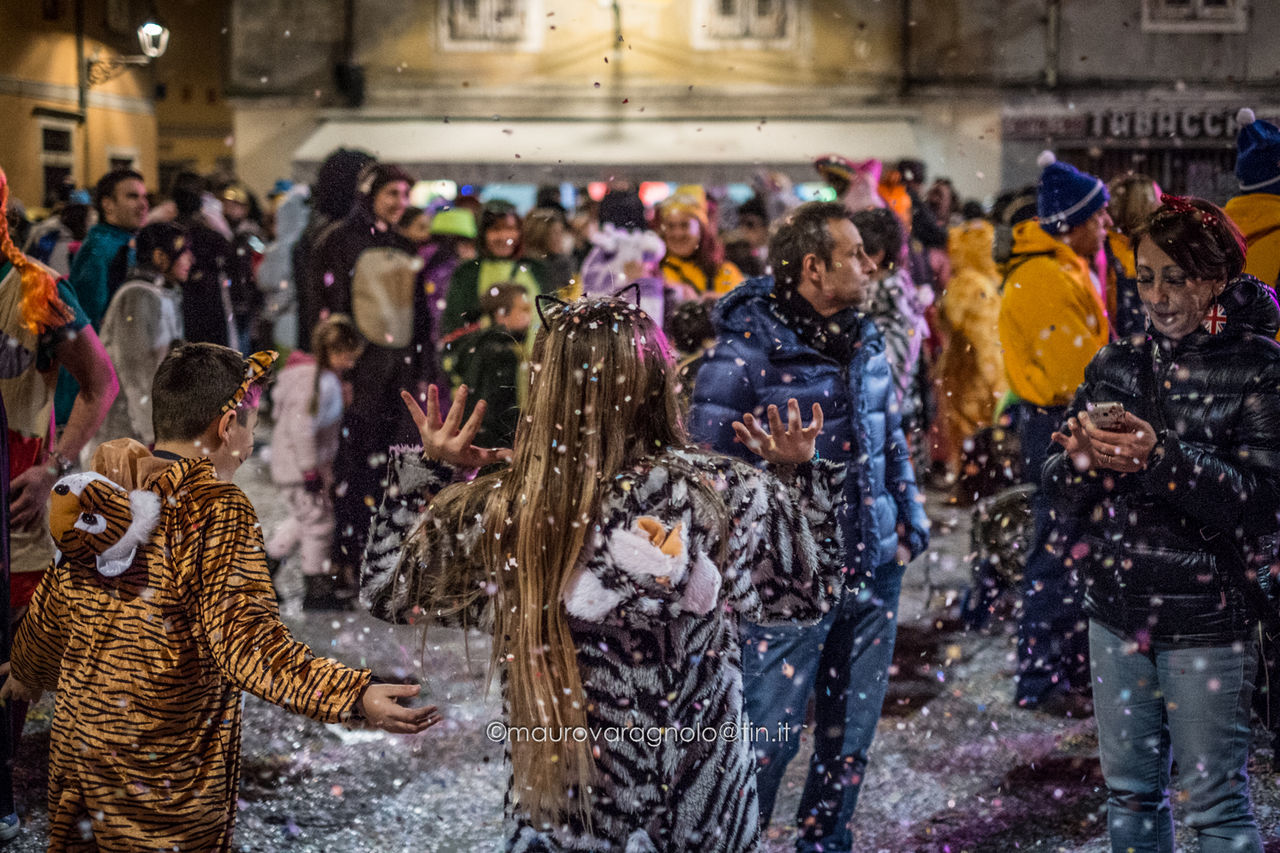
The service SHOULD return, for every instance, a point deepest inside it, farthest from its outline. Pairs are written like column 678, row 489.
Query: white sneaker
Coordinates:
column 10, row 826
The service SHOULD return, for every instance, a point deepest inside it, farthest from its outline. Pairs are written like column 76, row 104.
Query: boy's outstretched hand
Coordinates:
column 448, row 439
column 789, row 444
column 379, row 706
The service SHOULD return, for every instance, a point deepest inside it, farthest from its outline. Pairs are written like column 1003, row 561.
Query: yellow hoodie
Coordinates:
column 970, row 369
column 1052, row 320
column 1258, row 216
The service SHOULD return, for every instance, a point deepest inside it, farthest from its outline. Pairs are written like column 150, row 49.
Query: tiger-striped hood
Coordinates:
column 128, row 463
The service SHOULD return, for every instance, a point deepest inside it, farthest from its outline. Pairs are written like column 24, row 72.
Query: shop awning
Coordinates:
column 694, row 150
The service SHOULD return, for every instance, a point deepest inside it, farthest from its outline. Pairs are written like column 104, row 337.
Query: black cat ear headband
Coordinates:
column 546, row 300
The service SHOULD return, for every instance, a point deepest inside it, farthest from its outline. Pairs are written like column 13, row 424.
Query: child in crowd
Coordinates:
column 308, row 403
column 490, row 361
column 612, row 560
column 143, row 321
column 150, row 648
column 692, row 333
column 501, row 259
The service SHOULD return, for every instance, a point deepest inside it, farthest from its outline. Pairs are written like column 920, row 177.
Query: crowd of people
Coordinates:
column 673, row 458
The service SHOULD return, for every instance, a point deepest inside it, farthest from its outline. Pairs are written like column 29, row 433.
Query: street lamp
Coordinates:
column 153, row 40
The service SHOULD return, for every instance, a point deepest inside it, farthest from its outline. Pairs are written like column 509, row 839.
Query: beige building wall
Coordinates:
column 842, row 61
column 573, row 44
column 39, row 87
column 20, row 151
column 266, row 135
column 194, row 119
column 961, row 140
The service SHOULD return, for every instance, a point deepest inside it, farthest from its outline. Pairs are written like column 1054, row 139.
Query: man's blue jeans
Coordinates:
column 1164, row 704
column 1051, row 636
column 843, row 662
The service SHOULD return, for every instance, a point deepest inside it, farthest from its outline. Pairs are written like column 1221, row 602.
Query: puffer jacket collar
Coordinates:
column 750, row 310
column 1251, row 306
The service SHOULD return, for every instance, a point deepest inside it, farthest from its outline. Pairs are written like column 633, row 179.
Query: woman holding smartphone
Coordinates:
column 1168, row 500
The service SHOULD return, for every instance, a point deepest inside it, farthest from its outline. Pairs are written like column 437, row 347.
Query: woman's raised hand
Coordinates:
column 449, row 439
column 789, row 444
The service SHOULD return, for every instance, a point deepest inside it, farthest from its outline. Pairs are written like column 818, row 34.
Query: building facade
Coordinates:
column 194, row 119
column 547, row 90
column 1117, row 85
column 713, row 90
column 65, row 118
column 80, row 98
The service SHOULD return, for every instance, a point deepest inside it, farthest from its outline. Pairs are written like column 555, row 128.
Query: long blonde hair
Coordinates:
column 601, row 399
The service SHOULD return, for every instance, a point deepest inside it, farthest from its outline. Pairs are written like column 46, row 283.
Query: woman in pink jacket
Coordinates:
column 308, row 401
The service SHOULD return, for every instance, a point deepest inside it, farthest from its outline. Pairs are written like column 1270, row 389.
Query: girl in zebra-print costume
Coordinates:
column 611, row 561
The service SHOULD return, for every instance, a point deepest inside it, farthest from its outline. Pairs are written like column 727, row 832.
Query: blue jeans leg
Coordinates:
column 1133, row 743
column 778, row 666
column 1051, row 637
column 1209, row 694
column 1188, row 704
column 850, row 686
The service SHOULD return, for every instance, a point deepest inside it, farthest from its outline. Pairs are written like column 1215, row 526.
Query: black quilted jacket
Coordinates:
column 1157, row 549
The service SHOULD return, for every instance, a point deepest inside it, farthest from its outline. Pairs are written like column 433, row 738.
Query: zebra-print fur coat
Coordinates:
column 654, row 620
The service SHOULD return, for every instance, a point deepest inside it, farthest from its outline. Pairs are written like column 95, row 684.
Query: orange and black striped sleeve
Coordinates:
column 36, row 659
column 237, row 612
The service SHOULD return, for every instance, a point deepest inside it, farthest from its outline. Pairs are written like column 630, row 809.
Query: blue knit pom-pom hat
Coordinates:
column 1066, row 197
column 1257, row 154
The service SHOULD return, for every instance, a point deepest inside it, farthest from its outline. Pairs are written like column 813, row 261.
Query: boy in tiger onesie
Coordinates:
column 150, row 648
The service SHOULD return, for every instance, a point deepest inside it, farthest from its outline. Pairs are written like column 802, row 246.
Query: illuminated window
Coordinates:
column 487, row 24
column 756, row 24
column 1204, row 16
column 56, row 153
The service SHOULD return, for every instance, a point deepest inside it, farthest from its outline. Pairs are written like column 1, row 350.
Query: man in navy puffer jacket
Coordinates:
column 804, row 336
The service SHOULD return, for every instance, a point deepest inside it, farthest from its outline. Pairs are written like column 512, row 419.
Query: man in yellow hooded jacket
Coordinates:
column 1052, row 322
column 1256, row 211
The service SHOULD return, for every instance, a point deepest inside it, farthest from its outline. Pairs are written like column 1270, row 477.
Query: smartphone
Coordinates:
column 1108, row 416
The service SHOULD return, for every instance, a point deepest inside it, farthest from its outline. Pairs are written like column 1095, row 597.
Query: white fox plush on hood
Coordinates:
column 93, row 519
column 604, row 269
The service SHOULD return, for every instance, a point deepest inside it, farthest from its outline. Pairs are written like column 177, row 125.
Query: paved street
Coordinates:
column 954, row 768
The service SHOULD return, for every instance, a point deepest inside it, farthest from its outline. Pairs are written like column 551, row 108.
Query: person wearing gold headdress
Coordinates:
column 42, row 327
column 694, row 264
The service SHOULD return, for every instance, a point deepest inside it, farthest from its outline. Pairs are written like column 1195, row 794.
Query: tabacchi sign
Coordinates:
column 1207, row 123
